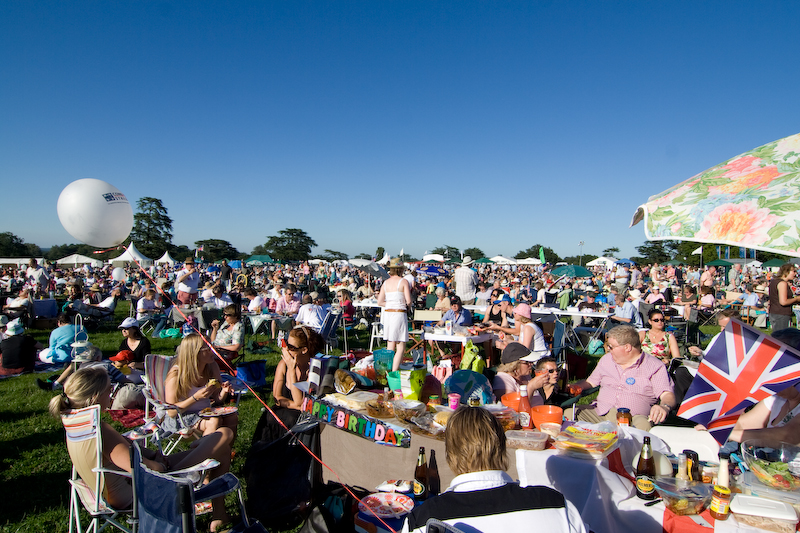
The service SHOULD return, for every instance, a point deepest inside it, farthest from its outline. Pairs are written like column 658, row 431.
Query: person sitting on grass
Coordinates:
column 17, row 350
column 91, row 386
column 59, row 349
column 483, row 497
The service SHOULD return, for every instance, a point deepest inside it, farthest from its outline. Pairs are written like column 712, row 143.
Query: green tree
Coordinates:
column 179, row 252
column 12, row 246
column 379, row 253
column 448, row 252
column 216, row 249
column 474, row 253
column 290, row 244
column 656, row 251
column 549, row 255
column 332, row 255
column 363, row 255
column 576, row 259
column 609, row 252
column 152, row 227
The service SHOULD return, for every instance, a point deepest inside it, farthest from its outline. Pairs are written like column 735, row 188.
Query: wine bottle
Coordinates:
column 421, row 476
column 434, row 481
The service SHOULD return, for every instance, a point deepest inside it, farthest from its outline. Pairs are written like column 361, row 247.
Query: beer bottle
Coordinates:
column 421, row 476
column 525, row 420
column 434, row 482
column 646, row 472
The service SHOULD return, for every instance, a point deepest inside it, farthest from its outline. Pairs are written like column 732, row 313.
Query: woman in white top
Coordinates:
column 395, row 297
column 528, row 333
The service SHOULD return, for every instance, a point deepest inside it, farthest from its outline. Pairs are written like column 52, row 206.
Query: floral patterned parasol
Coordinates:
column 752, row 200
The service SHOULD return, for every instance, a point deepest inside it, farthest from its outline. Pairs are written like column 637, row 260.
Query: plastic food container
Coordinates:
column 526, row 440
column 775, row 463
column 751, row 486
column 505, row 415
column 380, row 409
column 683, row 498
column 405, row 410
column 763, row 513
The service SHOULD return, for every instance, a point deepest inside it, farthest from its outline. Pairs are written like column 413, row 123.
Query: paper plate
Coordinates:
column 218, row 411
column 386, row 504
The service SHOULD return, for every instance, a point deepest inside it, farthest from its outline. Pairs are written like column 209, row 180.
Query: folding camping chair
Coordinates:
column 416, row 335
column 156, row 368
column 166, row 501
column 87, row 487
column 328, row 330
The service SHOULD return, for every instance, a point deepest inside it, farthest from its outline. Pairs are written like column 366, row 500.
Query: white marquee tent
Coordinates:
column 529, row 261
column 500, row 260
column 78, row 259
column 607, row 262
column 166, row 258
column 131, row 255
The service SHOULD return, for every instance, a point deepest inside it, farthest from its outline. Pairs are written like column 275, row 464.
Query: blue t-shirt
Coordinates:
column 464, row 318
column 61, row 340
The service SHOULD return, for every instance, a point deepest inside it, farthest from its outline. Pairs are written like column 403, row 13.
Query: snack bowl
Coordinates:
column 546, row 413
column 776, row 464
column 380, row 409
column 405, row 410
column 683, row 497
column 511, row 400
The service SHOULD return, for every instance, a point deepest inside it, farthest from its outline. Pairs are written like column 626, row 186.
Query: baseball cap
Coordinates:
column 129, row 322
column 517, row 352
column 523, row 310
column 124, row 356
column 503, row 298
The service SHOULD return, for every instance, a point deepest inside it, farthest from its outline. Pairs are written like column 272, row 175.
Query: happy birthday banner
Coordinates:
column 364, row 426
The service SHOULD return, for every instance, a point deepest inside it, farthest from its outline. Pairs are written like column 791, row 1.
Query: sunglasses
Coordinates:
column 291, row 347
column 656, row 320
column 549, row 371
column 229, row 314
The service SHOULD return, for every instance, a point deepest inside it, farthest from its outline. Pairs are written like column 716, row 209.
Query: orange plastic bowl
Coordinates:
column 546, row 413
column 511, row 400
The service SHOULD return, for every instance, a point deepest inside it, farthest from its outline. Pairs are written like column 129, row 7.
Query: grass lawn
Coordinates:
column 35, row 465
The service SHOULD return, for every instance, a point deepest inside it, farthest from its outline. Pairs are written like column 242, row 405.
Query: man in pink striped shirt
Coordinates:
column 628, row 378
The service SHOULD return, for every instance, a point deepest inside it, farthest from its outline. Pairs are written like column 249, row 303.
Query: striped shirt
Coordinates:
column 637, row 387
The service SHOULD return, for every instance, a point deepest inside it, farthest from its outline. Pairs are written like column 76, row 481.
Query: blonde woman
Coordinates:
column 193, row 384
column 91, row 386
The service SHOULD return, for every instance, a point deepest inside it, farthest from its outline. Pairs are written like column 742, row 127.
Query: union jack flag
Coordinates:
column 742, row 366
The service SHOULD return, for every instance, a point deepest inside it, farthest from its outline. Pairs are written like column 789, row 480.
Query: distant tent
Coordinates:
column 486, row 260
column 500, row 260
column 427, row 258
column 607, row 262
column 529, row 261
column 166, row 258
column 78, row 259
column 262, row 260
column 132, row 255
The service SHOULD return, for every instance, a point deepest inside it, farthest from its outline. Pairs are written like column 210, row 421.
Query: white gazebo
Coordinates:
column 500, row 260
column 166, row 259
column 78, row 259
column 607, row 262
column 529, row 261
column 132, row 255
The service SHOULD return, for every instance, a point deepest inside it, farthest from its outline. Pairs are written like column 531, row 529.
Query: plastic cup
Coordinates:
column 453, row 399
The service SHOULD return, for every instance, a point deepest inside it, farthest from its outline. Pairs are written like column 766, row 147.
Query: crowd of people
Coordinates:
column 636, row 372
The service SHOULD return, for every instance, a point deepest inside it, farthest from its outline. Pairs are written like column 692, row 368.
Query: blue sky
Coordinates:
column 397, row 124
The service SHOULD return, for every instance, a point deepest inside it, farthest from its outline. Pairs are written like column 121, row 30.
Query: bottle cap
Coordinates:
column 722, row 490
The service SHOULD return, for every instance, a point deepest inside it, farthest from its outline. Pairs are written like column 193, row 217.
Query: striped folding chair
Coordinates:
column 87, row 484
column 156, row 368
